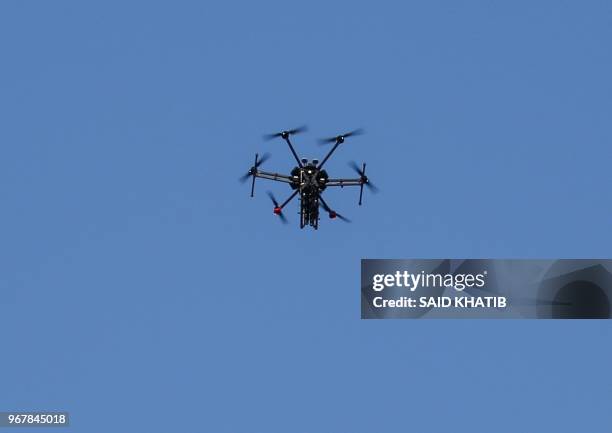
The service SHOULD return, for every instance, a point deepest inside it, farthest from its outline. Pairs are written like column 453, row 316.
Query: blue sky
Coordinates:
column 143, row 290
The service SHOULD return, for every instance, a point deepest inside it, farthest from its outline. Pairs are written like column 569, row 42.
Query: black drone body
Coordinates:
column 308, row 180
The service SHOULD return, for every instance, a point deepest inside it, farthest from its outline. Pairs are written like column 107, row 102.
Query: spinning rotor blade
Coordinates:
column 244, row 178
column 285, row 136
column 332, row 213
column 356, row 167
column 361, row 172
column 258, row 162
column 302, row 128
column 357, row 131
column 345, row 219
column 371, row 187
column 277, row 209
column 263, row 159
column 273, row 199
column 286, row 133
column 340, row 138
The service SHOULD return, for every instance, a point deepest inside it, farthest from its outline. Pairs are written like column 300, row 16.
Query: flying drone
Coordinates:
column 309, row 180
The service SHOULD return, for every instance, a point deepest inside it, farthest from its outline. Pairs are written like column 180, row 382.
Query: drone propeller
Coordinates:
column 253, row 169
column 361, row 172
column 285, row 134
column 363, row 178
column 332, row 213
column 278, row 210
column 340, row 138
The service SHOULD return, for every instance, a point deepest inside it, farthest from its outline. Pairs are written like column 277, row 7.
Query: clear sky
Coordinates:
column 142, row 290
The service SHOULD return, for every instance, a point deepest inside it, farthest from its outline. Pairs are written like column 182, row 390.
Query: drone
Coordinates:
column 309, row 179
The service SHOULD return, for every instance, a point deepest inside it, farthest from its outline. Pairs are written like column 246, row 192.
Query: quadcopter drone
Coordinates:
column 309, row 180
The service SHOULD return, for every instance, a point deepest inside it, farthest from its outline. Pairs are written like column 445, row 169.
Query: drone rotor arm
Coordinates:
column 274, row 176
column 333, row 149
column 285, row 136
column 291, row 197
column 338, row 140
column 344, row 182
column 360, row 182
column 295, row 155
